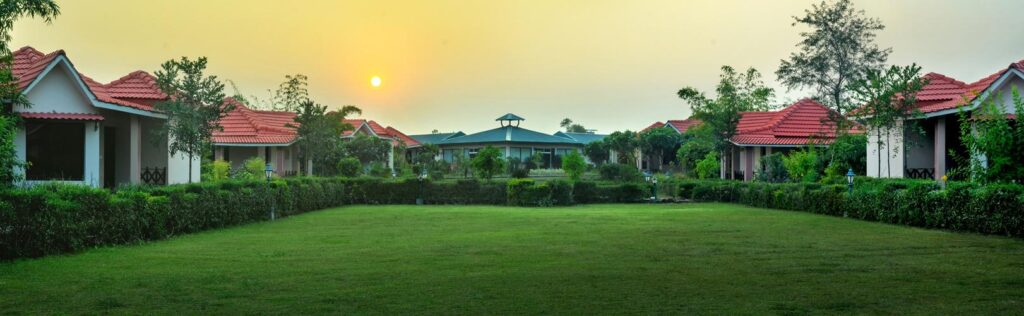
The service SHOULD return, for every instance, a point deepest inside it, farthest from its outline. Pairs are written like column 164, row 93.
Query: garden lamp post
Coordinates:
column 422, row 178
column 849, row 179
column 269, row 170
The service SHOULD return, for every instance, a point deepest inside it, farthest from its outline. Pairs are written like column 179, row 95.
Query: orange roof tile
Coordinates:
column 796, row 124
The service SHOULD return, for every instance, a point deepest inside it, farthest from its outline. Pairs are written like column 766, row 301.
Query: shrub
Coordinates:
column 218, row 170
column 487, row 163
column 620, row 172
column 379, row 169
column 772, row 169
column 802, row 165
column 252, row 169
column 349, row 167
column 574, row 165
column 708, row 167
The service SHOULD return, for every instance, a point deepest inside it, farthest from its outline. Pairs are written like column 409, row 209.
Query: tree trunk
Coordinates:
column 190, row 158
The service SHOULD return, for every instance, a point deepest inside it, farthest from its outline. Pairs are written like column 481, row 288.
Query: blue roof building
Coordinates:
column 514, row 141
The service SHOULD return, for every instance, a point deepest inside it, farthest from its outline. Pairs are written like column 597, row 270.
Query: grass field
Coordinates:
column 608, row 259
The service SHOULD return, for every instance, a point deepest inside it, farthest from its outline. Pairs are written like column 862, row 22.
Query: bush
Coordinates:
column 349, row 167
column 574, row 165
column 379, row 169
column 218, row 170
column 620, row 172
column 772, row 169
column 708, row 168
column 802, row 165
column 991, row 209
column 252, row 169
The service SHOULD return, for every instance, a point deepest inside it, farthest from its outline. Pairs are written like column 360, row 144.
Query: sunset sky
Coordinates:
column 457, row 65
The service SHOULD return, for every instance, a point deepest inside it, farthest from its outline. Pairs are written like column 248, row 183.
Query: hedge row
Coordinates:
column 55, row 219
column 989, row 209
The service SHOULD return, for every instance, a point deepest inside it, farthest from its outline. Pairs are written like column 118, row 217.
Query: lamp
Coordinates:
column 849, row 179
column 269, row 170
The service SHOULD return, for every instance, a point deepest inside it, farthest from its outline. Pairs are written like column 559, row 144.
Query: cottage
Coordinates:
column 805, row 123
column 922, row 149
column 79, row 130
column 679, row 126
column 250, row 133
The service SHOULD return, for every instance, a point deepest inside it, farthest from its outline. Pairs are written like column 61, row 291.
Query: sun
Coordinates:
column 375, row 81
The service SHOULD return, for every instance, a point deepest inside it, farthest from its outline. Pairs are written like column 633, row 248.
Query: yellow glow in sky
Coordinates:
column 458, row 64
column 375, row 81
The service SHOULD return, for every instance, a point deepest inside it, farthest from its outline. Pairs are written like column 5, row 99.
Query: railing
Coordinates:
column 154, row 175
column 920, row 173
column 291, row 173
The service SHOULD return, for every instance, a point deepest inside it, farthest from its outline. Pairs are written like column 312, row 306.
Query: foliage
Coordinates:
column 709, row 167
column 349, row 167
column 292, row 93
column 661, row 143
column 527, row 192
column 773, row 169
column 574, row 165
column 889, row 101
column 378, row 169
column 488, row 163
column 838, row 50
column 996, row 142
column 9, row 162
column 597, row 152
column 318, row 131
column 625, row 144
column 367, row 149
column 218, row 170
column 849, row 151
column 571, row 127
column 194, row 109
column 803, row 165
column 620, row 172
column 697, row 142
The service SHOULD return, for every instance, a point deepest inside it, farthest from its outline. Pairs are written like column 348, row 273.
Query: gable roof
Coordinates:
column 243, row 125
column 136, row 90
column 435, row 137
column 380, row 131
column 797, row 124
column 680, row 126
column 943, row 95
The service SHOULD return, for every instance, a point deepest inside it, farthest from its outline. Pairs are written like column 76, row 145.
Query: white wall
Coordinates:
column 178, row 166
column 93, row 175
column 888, row 154
column 58, row 92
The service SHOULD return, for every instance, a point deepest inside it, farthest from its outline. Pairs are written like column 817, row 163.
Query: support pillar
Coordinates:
column 135, row 150
column 748, row 163
column 940, row 148
column 218, row 153
column 391, row 159
column 93, row 176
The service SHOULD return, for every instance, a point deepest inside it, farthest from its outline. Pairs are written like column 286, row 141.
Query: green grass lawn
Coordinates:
column 683, row 258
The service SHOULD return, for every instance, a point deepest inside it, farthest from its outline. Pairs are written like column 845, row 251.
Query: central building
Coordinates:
column 516, row 143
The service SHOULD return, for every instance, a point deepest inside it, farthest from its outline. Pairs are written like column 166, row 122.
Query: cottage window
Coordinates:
column 55, row 151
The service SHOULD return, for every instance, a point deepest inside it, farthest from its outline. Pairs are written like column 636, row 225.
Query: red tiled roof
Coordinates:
column 61, row 116
column 945, row 93
column 246, row 126
column 683, row 125
column 384, row 132
column 137, row 90
column 797, row 124
column 653, row 126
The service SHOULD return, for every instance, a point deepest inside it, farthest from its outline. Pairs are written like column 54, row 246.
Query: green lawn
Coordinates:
column 614, row 259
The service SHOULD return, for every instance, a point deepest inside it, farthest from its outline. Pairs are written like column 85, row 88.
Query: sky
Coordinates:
column 458, row 65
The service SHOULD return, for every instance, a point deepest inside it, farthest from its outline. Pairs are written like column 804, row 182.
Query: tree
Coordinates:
column 367, row 149
column 625, row 143
column 574, row 165
column 597, row 152
column 697, row 142
column 736, row 93
column 194, row 109
column 318, row 131
column 837, row 51
column 10, row 11
column 292, row 93
column 994, row 141
column 349, row 167
column 889, row 102
column 707, row 167
column 802, row 165
column 658, row 142
column 488, row 162
column 570, row 127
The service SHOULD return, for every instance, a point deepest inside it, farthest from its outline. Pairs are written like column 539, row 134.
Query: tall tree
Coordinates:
column 625, row 144
column 889, row 100
column 736, row 93
column 597, row 152
column 488, row 162
column 571, row 127
column 292, row 93
column 318, row 131
column 659, row 144
column 194, row 109
column 838, row 50
column 367, row 149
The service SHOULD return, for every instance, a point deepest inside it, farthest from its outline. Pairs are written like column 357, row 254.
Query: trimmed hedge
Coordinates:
column 54, row 219
column 988, row 209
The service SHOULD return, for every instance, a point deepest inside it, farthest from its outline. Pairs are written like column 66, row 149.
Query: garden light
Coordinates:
column 849, row 179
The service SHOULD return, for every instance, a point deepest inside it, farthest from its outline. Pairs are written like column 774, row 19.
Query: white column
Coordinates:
column 309, row 167
column 748, row 163
column 940, row 148
column 92, row 175
column 218, row 153
column 135, row 150
column 391, row 159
